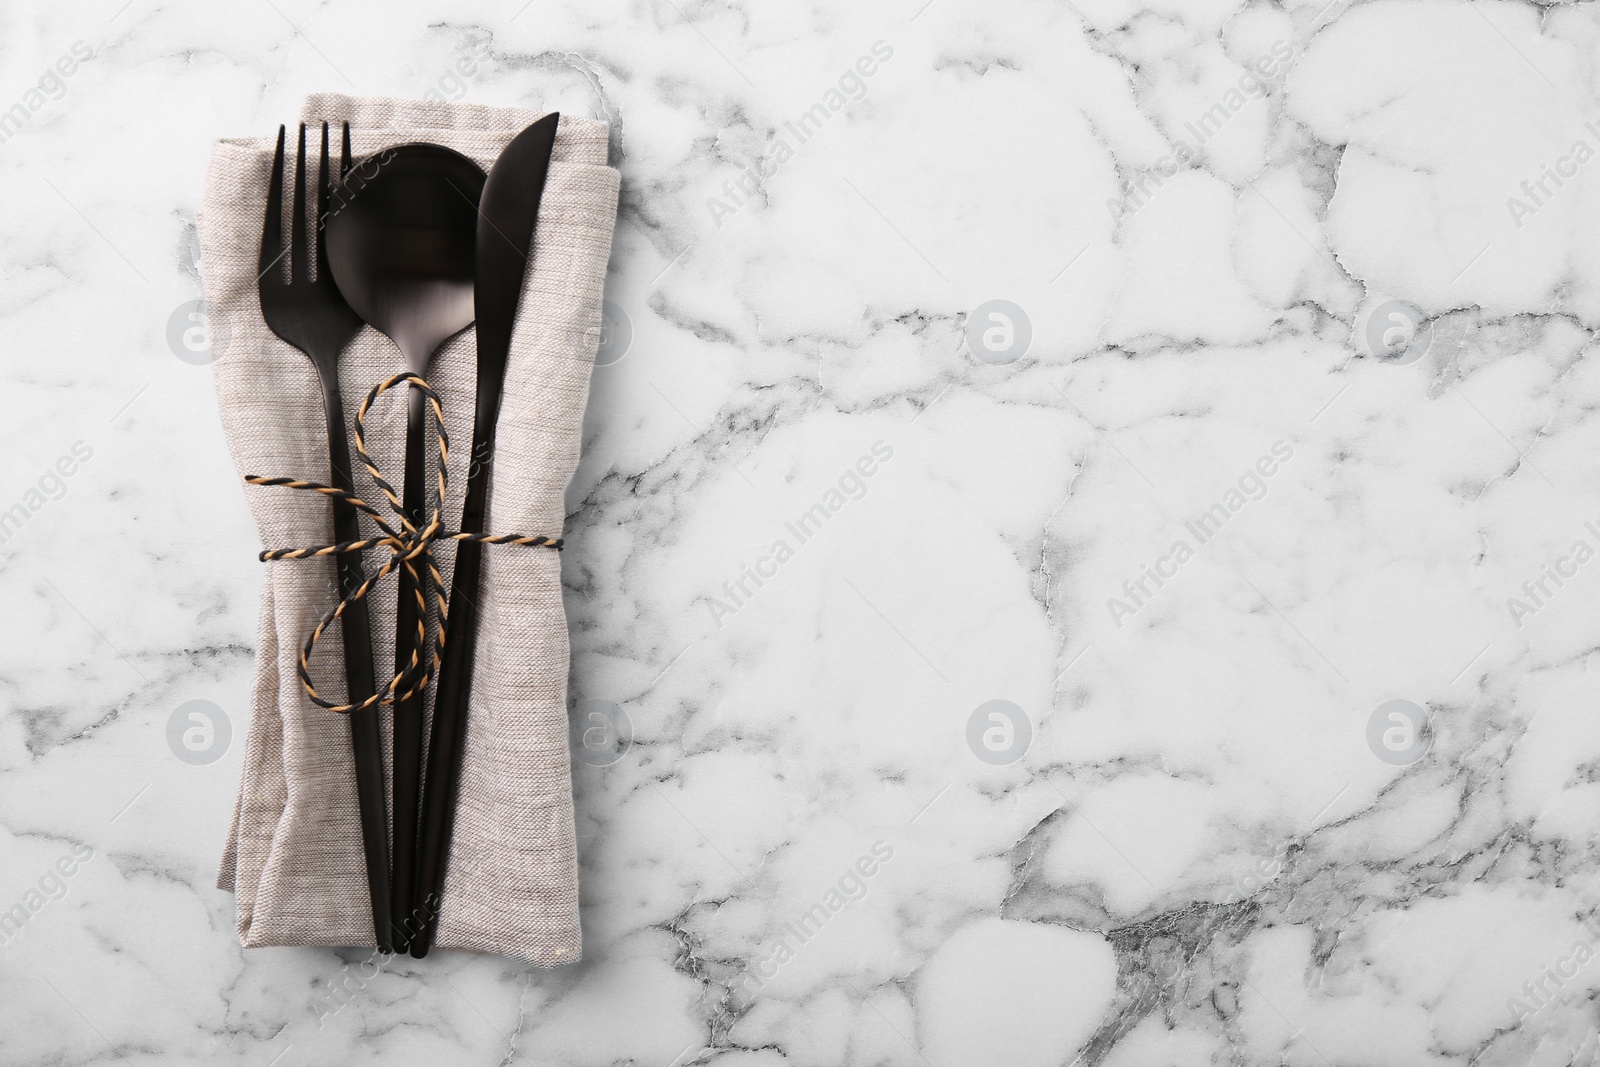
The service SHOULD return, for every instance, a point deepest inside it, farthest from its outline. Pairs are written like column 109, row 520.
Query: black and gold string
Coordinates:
column 409, row 547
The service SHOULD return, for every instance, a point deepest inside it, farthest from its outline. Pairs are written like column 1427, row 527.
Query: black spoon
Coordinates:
column 402, row 249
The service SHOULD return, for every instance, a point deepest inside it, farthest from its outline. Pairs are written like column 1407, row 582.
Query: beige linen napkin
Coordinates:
column 294, row 857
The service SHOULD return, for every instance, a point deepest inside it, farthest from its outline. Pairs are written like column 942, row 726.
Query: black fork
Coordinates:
column 310, row 314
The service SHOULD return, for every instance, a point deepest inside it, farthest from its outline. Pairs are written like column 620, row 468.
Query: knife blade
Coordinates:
column 508, row 213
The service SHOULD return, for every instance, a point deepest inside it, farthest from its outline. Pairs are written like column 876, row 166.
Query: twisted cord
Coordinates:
column 409, row 547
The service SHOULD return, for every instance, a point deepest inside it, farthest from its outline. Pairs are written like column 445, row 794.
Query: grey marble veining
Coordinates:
column 1084, row 550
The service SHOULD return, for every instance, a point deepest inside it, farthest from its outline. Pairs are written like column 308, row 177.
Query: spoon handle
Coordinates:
column 455, row 685
column 408, row 712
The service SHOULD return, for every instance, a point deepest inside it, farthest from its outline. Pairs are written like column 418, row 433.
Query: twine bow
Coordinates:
column 409, row 546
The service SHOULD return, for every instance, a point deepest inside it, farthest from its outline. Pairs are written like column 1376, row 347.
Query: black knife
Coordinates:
column 507, row 214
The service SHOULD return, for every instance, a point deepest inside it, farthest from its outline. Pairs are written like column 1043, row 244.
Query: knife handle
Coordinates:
column 445, row 742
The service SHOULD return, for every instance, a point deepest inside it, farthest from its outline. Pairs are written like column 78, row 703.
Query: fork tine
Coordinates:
column 344, row 154
column 299, row 250
column 272, row 228
column 323, row 191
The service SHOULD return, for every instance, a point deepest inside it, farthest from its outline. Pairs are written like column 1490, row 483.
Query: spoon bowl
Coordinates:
column 402, row 245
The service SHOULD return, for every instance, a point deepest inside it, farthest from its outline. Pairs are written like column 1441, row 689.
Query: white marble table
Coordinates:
column 1265, row 505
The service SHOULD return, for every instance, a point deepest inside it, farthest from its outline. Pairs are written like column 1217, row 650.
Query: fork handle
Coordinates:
column 366, row 740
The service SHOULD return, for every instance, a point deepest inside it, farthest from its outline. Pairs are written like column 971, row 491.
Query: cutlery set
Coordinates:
column 421, row 246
